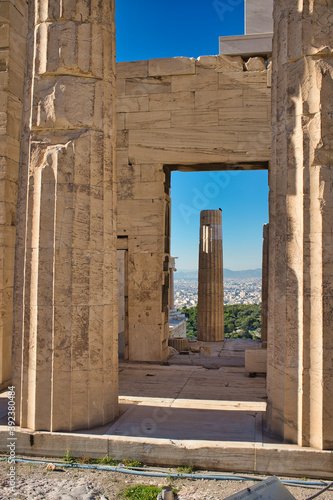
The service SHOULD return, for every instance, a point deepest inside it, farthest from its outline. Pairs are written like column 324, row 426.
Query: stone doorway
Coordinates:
column 209, row 391
column 243, row 196
column 176, row 115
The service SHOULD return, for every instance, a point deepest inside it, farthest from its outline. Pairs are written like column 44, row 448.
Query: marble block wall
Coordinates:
column 209, row 114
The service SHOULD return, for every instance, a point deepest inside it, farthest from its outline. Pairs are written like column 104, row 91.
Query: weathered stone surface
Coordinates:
column 179, row 344
column 269, row 73
column 264, row 284
column 246, row 45
column 206, row 62
column 13, row 26
column 144, row 86
column 247, row 80
column 255, row 361
column 179, row 145
column 177, row 325
column 208, row 114
column 65, row 333
column 171, row 66
column 193, row 118
column 221, row 99
column 204, row 80
column 132, row 104
column 133, row 68
column 228, row 64
column 300, row 378
column 216, row 113
column 255, row 64
column 210, row 278
column 258, row 16
column 153, row 119
column 172, row 101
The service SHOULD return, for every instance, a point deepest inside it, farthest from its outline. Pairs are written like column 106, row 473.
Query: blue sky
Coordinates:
column 149, row 29
column 152, row 29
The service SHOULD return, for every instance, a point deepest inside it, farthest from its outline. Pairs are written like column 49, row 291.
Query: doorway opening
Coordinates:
column 243, row 198
column 206, row 395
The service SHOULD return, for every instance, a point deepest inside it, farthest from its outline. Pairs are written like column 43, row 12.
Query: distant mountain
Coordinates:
column 227, row 273
column 189, row 275
column 248, row 273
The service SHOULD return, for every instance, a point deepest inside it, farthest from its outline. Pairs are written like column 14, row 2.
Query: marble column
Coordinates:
column 172, row 268
column 65, row 316
column 177, row 320
column 264, row 284
column 13, row 30
column 300, row 372
column 210, row 283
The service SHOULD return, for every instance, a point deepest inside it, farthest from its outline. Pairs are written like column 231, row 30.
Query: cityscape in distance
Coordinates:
column 240, row 287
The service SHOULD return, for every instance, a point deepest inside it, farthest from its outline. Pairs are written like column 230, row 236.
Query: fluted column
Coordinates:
column 65, row 335
column 210, row 283
column 300, row 372
column 172, row 269
column 264, row 283
column 13, row 28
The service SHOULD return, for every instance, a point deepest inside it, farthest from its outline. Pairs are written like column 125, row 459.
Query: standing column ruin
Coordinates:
column 177, row 320
column 172, row 269
column 65, row 331
column 210, row 283
column 13, row 29
column 264, row 285
column 300, row 347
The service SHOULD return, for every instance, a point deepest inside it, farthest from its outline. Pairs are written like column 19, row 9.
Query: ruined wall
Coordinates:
column 65, row 316
column 300, row 347
column 13, row 28
column 207, row 114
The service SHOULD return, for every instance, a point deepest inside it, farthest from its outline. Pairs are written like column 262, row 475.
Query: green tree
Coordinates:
column 240, row 321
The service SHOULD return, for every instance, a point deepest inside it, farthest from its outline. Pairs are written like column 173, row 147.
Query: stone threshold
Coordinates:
column 212, row 419
column 226, row 456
